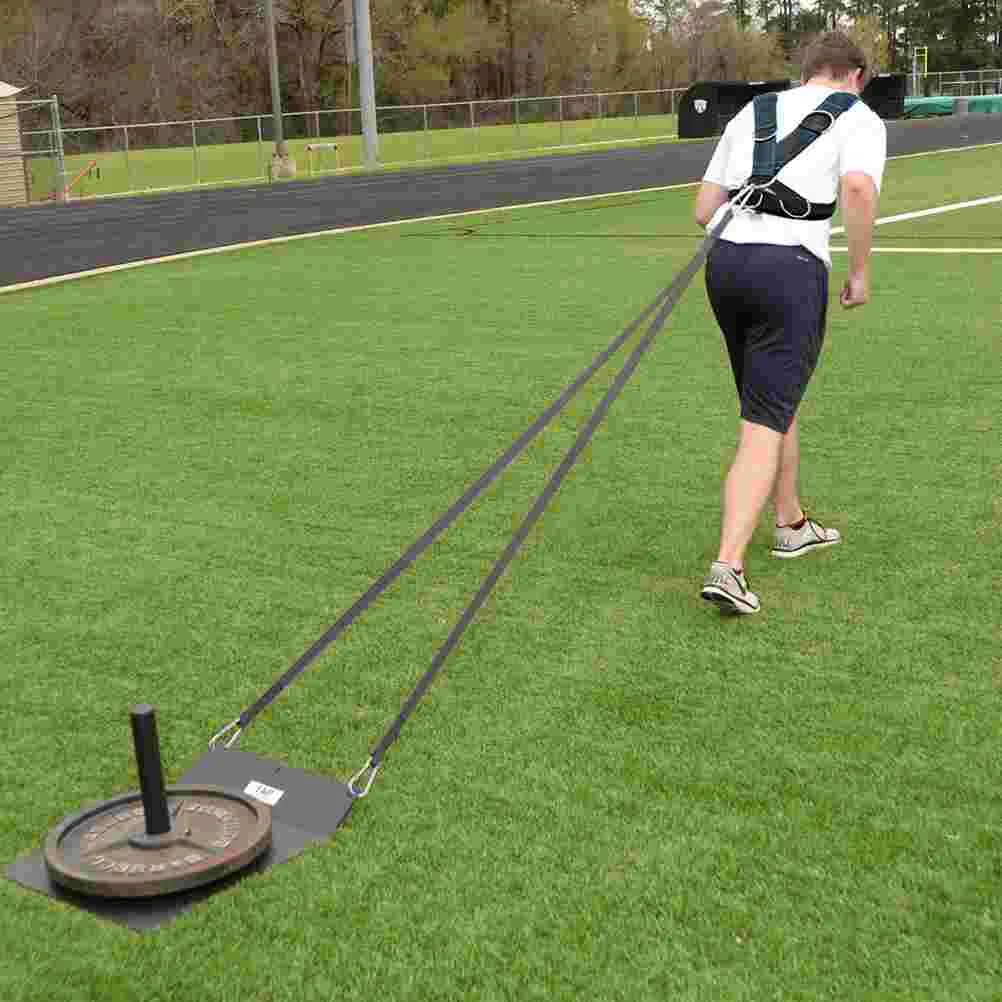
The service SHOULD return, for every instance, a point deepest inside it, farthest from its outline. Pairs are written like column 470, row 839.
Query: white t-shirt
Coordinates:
column 856, row 142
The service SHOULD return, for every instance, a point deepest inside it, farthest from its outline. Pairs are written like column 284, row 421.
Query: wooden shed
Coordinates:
column 13, row 180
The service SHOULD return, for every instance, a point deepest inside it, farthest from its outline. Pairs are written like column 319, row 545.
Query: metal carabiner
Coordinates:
column 358, row 794
column 229, row 727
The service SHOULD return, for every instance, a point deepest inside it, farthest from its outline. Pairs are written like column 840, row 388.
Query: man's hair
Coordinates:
column 835, row 53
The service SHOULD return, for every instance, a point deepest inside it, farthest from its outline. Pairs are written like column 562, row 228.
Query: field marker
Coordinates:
column 271, row 241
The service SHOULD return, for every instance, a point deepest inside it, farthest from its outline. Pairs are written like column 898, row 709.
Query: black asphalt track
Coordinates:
column 45, row 241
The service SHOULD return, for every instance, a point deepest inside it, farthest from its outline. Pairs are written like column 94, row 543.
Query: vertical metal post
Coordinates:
column 194, row 152
column 636, row 111
column 473, row 127
column 427, row 138
column 128, row 160
column 599, row 96
column 57, row 126
column 276, row 93
column 151, row 770
column 260, row 140
column 518, row 123
column 367, row 84
column 560, row 111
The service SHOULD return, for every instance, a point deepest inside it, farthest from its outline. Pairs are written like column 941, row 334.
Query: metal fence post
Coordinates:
column 60, row 153
column 194, row 152
column 128, row 160
column 518, row 124
column 636, row 111
column 427, row 138
column 260, row 140
column 560, row 109
column 473, row 126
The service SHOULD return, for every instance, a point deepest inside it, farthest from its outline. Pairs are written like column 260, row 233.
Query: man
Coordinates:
column 767, row 282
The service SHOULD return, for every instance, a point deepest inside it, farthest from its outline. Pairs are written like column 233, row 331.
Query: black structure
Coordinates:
column 707, row 107
column 885, row 94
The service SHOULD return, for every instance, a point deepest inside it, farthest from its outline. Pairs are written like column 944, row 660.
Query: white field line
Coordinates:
column 58, row 279
column 925, row 250
column 901, row 217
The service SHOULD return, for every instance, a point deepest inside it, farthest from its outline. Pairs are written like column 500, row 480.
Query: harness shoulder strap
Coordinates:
column 764, row 165
column 816, row 124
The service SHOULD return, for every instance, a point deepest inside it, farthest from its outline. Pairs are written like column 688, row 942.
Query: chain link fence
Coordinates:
column 123, row 159
column 956, row 83
column 36, row 158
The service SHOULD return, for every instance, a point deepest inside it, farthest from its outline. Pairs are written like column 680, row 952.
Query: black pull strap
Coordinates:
column 668, row 302
column 408, row 557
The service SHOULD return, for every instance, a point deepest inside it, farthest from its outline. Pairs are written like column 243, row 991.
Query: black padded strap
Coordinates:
column 772, row 197
column 764, row 164
column 815, row 125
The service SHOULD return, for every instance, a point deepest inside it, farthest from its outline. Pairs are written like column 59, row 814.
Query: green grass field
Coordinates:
column 213, row 163
column 612, row 792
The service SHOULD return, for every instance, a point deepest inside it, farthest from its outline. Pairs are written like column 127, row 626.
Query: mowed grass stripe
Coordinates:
column 611, row 792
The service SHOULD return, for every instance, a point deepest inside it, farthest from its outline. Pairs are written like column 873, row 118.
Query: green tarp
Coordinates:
column 927, row 107
column 989, row 103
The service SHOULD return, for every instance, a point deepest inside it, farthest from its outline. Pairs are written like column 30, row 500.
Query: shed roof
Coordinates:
column 8, row 90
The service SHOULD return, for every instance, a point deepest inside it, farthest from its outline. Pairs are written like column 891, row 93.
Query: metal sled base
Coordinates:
column 306, row 809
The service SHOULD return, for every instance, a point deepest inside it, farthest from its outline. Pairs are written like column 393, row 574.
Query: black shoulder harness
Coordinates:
column 766, row 194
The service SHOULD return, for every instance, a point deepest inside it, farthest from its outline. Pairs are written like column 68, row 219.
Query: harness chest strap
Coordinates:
column 770, row 196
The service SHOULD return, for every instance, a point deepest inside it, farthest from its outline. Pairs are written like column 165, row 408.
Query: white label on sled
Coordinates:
column 266, row 794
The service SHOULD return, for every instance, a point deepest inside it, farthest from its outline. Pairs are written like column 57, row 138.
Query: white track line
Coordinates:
column 271, row 241
column 59, row 279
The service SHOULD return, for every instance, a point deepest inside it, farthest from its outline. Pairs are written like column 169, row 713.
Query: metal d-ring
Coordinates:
column 793, row 215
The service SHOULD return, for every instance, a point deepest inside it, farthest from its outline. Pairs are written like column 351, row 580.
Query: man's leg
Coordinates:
column 786, row 495
column 747, row 488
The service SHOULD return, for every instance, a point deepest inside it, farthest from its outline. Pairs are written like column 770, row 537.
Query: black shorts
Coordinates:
column 771, row 303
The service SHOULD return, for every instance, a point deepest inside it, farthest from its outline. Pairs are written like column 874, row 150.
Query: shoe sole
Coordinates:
column 801, row 550
column 726, row 603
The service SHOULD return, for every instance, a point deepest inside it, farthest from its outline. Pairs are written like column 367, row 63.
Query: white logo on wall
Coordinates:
column 700, row 106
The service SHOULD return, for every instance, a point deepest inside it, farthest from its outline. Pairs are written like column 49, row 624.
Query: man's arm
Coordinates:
column 711, row 196
column 858, row 201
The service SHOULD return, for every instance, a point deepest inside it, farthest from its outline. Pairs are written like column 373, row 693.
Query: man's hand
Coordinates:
column 856, row 291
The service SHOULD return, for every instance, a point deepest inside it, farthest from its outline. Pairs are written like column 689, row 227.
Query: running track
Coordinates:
column 45, row 241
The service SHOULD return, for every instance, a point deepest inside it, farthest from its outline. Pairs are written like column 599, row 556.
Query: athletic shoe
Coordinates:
column 810, row 536
column 728, row 590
